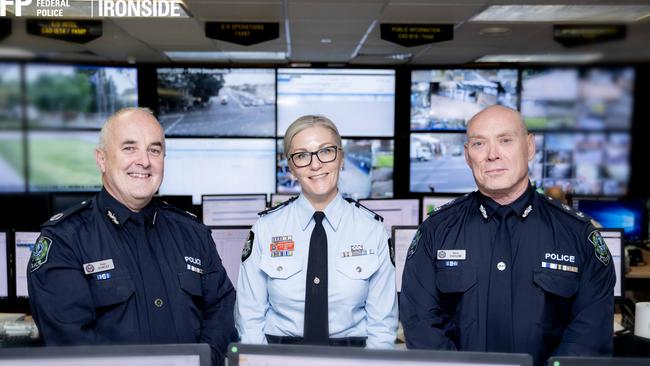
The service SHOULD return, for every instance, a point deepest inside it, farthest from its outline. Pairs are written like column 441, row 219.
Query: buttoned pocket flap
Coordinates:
column 191, row 283
column 111, row 292
column 358, row 268
column 455, row 280
column 557, row 283
column 281, row 268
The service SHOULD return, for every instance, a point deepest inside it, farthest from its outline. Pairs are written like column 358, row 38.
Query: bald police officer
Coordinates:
column 506, row 269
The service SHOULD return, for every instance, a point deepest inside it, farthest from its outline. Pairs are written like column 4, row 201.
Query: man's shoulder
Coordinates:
column 452, row 207
column 178, row 214
column 69, row 216
column 563, row 211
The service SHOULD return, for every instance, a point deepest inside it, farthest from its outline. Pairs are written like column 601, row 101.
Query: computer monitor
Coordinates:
column 4, row 267
column 401, row 240
column 220, row 210
column 278, row 198
column 447, row 99
column 230, row 241
column 191, row 354
column 24, row 242
column 431, row 203
column 217, row 102
column 293, row 355
column 346, row 96
column 596, row 361
column 438, row 163
column 396, row 212
column 628, row 214
column 615, row 242
column 196, row 166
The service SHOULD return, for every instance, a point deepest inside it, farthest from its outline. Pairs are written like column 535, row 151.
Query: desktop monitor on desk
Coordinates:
column 395, row 212
column 229, row 241
column 4, row 267
column 23, row 245
column 401, row 240
column 630, row 215
column 615, row 242
column 232, row 209
column 123, row 355
column 299, row 355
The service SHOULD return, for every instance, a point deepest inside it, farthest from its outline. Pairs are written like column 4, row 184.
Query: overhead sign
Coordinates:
column 5, row 28
column 242, row 33
column 409, row 35
column 580, row 35
column 78, row 31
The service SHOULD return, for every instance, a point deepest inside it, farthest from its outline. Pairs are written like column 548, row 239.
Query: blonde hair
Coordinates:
column 305, row 122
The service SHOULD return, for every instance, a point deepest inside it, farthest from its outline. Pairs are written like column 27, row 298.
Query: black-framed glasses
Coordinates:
column 326, row 154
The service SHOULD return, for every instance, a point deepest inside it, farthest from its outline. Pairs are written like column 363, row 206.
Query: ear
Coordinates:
column 100, row 159
column 530, row 144
column 466, row 153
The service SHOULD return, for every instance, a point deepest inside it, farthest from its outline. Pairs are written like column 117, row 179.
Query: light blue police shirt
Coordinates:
column 362, row 297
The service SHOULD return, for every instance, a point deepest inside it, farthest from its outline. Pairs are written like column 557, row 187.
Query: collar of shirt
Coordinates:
column 119, row 214
column 522, row 206
column 333, row 211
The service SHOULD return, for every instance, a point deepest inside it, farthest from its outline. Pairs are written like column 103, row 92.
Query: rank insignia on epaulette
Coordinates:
column 56, row 217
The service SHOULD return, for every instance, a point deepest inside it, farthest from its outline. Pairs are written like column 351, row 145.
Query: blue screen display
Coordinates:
column 628, row 215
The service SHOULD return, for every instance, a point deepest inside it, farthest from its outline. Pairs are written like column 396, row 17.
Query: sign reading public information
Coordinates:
column 78, row 31
column 242, row 33
column 579, row 35
column 409, row 35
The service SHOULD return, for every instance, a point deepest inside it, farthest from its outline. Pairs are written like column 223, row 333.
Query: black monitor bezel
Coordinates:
column 621, row 297
column 234, row 349
column 596, row 361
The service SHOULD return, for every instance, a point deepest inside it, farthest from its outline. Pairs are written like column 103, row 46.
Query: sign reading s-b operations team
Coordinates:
column 409, row 35
column 242, row 33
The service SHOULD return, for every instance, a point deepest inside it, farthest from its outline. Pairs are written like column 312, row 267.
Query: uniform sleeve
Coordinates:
column 59, row 294
column 420, row 311
column 381, row 304
column 252, row 295
column 218, row 325
column 590, row 332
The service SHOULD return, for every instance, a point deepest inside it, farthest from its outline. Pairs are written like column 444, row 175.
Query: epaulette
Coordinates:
column 449, row 204
column 359, row 205
column 579, row 215
column 167, row 206
column 61, row 216
column 278, row 206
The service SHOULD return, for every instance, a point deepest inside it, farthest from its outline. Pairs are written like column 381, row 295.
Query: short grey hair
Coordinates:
column 305, row 122
column 104, row 131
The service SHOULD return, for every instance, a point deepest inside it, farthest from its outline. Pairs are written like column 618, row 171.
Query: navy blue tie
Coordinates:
column 499, row 311
column 316, row 310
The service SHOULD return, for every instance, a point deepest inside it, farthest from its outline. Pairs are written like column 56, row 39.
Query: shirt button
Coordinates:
column 358, row 269
column 501, row 266
column 279, row 269
column 158, row 302
column 316, row 280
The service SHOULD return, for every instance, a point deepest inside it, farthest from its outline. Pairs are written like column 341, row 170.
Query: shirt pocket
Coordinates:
column 560, row 284
column 556, row 291
column 111, row 292
column 190, row 282
column 359, row 267
column 281, row 268
column 458, row 295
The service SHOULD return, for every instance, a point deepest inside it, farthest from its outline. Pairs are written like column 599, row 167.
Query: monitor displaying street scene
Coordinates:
column 438, row 164
column 367, row 170
column 12, row 176
column 61, row 96
column 10, row 96
column 447, row 99
column 571, row 98
column 217, row 102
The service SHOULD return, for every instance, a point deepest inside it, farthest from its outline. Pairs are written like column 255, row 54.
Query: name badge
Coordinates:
column 99, row 266
column 453, row 254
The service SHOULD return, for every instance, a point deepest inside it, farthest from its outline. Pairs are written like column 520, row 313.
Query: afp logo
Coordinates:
column 18, row 5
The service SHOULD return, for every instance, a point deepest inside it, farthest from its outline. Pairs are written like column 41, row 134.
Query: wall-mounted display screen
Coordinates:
column 217, row 102
column 447, row 99
column 367, row 170
column 12, row 176
column 361, row 102
column 10, row 96
column 61, row 96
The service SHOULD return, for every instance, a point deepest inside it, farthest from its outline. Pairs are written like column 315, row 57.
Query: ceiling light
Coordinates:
column 543, row 58
column 495, row 31
column 325, row 40
column 226, row 56
column 400, row 56
column 562, row 13
column 14, row 52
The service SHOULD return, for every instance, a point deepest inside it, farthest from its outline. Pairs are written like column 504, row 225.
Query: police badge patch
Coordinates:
column 391, row 251
column 414, row 244
column 248, row 247
column 40, row 253
column 602, row 253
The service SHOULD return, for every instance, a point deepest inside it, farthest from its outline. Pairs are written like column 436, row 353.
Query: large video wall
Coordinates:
column 224, row 126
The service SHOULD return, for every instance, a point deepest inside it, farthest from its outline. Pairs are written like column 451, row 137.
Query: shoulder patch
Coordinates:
column 600, row 248
column 449, row 204
column 570, row 211
column 40, row 253
column 414, row 244
column 278, row 206
column 391, row 251
column 364, row 208
column 248, row 247
column 61, row 216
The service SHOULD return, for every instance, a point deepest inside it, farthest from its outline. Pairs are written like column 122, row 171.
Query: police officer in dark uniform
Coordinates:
column 506, row 269
column 121, row 268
